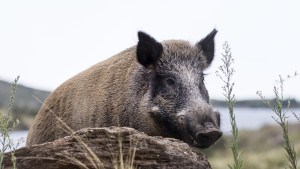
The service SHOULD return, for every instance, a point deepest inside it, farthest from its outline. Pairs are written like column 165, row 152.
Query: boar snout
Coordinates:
column 208, row 136
column 203, row 130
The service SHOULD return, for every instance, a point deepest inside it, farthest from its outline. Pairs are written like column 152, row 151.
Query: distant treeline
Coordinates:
column 256, row 103
column 26, row 103
column 25, row 97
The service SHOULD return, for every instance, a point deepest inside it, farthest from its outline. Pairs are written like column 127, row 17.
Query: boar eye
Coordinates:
column 170, row 82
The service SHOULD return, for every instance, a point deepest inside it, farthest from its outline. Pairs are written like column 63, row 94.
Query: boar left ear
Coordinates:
column 207, row 45
column 148, row 50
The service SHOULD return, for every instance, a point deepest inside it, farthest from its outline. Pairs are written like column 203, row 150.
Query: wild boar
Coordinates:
column 154, row 87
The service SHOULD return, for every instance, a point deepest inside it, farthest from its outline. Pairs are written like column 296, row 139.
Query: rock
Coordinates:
column 100, row 148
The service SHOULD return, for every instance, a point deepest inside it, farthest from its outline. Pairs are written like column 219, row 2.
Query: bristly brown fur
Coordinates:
column 118, row 91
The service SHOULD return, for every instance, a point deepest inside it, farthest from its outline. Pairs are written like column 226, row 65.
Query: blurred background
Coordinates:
column 47, row 42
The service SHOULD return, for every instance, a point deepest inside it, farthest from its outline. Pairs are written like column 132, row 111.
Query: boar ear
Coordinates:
column 207, row 45
column 148, row 50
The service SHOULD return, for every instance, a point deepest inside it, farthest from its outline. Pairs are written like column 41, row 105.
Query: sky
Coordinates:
column 47, row 42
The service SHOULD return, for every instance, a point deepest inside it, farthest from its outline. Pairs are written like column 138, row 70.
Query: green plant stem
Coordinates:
column 227, row 73
column 280, row 111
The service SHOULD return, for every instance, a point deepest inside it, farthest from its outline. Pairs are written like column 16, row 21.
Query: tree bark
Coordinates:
column 95, row 148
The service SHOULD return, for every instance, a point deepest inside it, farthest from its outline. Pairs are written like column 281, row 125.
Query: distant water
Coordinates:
column 252, row 118
column 247, row 118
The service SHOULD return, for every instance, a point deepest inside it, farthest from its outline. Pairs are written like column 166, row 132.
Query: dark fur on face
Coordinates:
column 178, row 91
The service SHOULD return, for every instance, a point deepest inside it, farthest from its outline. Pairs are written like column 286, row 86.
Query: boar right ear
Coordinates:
column 148, row 50
column 207, row 45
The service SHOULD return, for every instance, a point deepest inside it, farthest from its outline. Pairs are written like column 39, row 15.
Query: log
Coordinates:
column 109, row 148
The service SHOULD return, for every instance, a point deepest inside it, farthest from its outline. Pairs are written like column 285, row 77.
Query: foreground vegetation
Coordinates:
column 226, row 75
column 262, row 149
column 279, row 106
column 7, row 124
column 281, row 118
